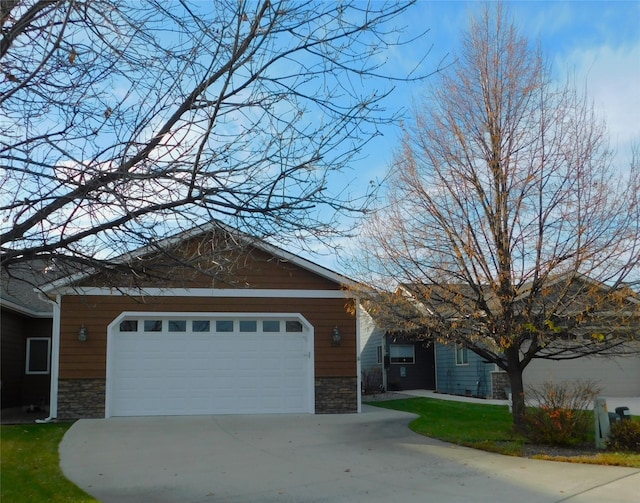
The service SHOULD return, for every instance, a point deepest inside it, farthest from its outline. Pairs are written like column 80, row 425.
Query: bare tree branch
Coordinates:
column 126, row 122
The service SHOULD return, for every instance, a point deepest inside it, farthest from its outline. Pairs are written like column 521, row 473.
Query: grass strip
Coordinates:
column 30, row 465
column 485, row 427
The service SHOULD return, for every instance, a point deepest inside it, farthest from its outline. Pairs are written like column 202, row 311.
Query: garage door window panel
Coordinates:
column 177, row 325
column 201, row 326
column 248, row 326
column 271, row 326
column 153, row 325
column 224, row 326
column 293, row 326
column 129, row 326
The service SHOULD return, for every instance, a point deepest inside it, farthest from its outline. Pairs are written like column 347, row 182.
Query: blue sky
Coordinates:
column 597, row 44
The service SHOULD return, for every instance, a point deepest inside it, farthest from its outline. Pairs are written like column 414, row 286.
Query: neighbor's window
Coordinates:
column 462, row 355
column 402, row 353
column 38, row 352
column 379, row 349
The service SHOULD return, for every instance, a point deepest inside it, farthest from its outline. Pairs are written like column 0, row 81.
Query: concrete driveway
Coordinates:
column 369, row 457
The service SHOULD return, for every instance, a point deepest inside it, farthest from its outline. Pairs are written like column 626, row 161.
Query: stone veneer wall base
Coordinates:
column 85, row 398
column 81, row 398
column 499, row 382
column 336, row 395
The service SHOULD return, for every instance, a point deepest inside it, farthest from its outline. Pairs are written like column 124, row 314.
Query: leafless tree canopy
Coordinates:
column 507, row 223
column 123, row 122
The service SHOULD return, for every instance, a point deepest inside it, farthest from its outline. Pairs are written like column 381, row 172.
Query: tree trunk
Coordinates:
column 514, row 371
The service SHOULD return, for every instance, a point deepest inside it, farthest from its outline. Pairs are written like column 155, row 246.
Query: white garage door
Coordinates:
column 180, row 365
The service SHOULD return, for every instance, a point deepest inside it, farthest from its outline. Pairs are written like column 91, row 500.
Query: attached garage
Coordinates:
column 207, row 363
column 258, row 337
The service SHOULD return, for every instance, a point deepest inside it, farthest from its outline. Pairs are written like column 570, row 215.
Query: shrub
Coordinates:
column 625, row 436
column 372, row 382
column 556, row 413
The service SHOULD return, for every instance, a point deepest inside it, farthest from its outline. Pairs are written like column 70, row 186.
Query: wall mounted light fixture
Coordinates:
column 335, row 336
column 83, row 333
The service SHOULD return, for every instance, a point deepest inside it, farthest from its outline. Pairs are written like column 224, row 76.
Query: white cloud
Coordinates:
column 612, row 79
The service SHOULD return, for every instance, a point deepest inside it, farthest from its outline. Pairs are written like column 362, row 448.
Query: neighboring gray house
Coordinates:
column 462, row 372
column 616, row 377
column 392, row 361
column 389, row 361
column 372, row 341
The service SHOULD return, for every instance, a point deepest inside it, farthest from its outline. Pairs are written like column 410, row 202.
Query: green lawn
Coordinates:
column 30, row 465
column 487, row 427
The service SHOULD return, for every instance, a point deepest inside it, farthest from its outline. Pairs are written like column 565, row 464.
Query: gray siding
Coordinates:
column 370, row 338
column 471, row 379
column 616, row 377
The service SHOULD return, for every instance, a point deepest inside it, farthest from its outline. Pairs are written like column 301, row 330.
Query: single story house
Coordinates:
column 260, row 331
column 391, row 360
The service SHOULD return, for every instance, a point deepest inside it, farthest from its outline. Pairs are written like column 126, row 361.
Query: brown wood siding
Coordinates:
column 253, row 268
column 88, row 359
column 18, row 388
column 13, row 358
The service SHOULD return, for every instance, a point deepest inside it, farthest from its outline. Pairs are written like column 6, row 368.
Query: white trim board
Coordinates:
column 208, row 292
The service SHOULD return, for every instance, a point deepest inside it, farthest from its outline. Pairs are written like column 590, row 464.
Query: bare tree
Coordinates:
column 124, row 122
column 507, row 224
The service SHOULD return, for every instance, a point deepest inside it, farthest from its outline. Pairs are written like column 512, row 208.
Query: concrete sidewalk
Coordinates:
column 612, row 402
column 371, row 457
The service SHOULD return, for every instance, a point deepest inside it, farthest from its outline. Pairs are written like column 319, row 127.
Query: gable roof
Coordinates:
column 194, row 232
column 573, row 292
column 19, row 289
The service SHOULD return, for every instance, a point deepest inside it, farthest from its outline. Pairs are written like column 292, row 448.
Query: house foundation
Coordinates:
column 336, row 395
column 81, row 398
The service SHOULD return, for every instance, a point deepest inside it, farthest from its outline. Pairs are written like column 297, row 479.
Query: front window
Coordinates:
column 38, row 353
column 402, row 353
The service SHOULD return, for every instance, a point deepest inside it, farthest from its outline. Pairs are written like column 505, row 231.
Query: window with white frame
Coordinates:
column 379, row 359
column 38, row 355
column 462, row 355
column 402, row 353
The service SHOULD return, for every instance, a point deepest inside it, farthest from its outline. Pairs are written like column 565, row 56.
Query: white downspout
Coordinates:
column 55, row 362
column 358, row 354
column 383, row 344
column 435, row 365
